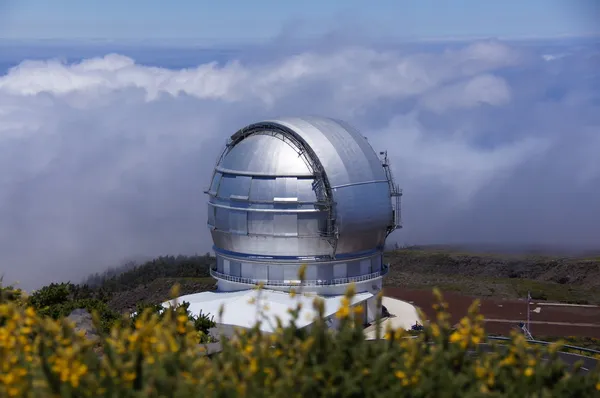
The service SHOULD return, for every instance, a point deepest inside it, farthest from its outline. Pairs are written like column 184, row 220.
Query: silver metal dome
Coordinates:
column 297, row 191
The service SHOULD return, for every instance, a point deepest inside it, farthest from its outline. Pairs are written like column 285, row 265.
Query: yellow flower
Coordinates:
column 302, row 272
column 455, row 337
column 480, row 372
column 351, row 290
column 598, row 386
column 508, row 361
column 9, row 378
column 253, row 365
column 182, row 318
column 343, row 312
column 358, row 310
column 399, row 333
column 400, row 374
column 529, row 372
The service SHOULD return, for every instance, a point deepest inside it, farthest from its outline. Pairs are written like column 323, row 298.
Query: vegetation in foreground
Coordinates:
column 58, row 300
column 161, row 356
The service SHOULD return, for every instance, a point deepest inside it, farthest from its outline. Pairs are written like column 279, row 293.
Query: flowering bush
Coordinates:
column 161, row 356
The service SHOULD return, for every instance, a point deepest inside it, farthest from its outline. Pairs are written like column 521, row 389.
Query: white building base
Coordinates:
column 403, row 316
column 244, row 308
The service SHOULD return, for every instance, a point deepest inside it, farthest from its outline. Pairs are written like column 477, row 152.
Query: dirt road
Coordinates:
column 504, row 315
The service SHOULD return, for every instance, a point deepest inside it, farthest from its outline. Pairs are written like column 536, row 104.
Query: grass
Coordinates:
column 429, row 251
column 496, row 287
column 497, row 275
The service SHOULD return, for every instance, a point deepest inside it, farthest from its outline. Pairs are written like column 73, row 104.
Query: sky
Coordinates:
column 105, row 150
column 227, row 20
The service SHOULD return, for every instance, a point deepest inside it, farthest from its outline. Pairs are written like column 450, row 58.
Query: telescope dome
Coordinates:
column 294, row 191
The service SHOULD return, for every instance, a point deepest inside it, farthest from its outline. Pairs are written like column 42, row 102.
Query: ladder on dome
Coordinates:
column 395, row 193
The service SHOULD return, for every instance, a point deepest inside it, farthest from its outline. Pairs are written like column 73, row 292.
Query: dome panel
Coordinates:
column 265, row 154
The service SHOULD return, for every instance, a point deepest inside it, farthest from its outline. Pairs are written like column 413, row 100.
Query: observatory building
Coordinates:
column 299, row 191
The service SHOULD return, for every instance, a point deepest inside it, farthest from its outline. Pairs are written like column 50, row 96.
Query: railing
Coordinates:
column 333, row 282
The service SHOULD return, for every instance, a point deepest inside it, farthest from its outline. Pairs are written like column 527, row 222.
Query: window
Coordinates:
column 365, row 266
column 324, row 272
column 247, row 270
column 235, row 268
column 261, row 272
column 376, row 264
column 226, row 267
column 340, row 271
column 290, row 273
column 275, row 272
column 311, row 273
column 353, row 269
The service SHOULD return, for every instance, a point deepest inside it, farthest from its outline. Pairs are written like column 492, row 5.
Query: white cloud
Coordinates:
column 107, row 158
column 481, row 89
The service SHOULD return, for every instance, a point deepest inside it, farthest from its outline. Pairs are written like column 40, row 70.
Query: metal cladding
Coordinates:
column 300, row 190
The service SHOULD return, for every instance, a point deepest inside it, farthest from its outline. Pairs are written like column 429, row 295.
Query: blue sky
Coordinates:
column 229, row 20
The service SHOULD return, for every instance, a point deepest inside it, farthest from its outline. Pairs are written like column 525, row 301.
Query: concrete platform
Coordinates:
column 244, row 308
column 403, row 315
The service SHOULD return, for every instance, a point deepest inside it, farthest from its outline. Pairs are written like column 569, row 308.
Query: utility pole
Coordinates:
column 525, row 326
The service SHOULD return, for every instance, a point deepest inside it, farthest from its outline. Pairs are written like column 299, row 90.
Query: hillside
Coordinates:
column 124, row 287
column 567, row 279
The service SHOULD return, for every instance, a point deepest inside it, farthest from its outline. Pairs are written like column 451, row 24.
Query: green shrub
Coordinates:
column 58, row 300
column 202, row 322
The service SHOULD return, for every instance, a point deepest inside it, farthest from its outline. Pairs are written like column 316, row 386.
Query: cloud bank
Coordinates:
column 106, row 158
